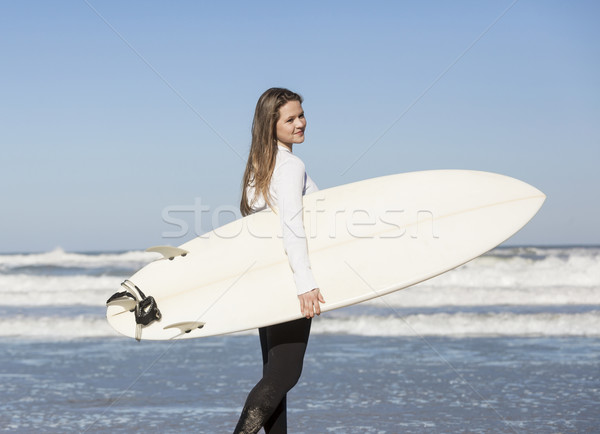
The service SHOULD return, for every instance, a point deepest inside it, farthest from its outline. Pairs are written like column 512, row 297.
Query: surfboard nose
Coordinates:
column 532, row 194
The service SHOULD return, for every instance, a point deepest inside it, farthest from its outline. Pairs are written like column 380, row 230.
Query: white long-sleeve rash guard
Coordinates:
column 288, row 184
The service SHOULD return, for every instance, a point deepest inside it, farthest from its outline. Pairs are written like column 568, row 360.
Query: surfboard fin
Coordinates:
column 124, row 299
column 186, row 326
column 168, row 252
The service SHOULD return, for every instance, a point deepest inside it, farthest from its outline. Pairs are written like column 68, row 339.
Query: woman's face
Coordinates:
column 291, row 124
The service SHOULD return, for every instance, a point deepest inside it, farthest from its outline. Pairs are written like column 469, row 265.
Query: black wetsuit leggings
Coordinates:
column 283, row 347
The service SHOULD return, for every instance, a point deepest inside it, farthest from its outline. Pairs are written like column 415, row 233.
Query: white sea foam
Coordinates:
column 465, row 324
column 28, row 290
column 425, row 295
column 55, row 328
column 441, row 324
column 578, row 268
column 59, row 258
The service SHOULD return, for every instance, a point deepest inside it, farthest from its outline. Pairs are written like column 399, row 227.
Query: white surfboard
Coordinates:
column 365, row 239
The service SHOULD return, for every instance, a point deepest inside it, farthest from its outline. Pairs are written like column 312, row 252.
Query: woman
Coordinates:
column 276, row 178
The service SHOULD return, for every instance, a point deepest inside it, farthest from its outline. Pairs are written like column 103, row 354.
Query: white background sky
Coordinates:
column 97, row 142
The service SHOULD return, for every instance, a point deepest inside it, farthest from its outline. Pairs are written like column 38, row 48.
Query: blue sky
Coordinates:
column 113, row 112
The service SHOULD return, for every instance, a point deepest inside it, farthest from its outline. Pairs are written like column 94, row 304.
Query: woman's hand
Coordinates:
column 309, row 303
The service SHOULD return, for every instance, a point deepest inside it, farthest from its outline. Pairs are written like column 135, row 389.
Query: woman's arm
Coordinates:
column 288, row 183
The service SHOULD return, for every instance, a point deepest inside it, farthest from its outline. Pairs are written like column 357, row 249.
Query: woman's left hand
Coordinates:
column 309, row 303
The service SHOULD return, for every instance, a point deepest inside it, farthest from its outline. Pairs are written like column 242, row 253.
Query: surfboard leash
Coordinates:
column 145, row 310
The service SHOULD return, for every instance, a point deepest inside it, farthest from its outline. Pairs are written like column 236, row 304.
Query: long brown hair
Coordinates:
column 263, row 150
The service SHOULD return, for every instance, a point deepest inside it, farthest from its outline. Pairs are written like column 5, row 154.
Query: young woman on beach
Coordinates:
column 276, row 178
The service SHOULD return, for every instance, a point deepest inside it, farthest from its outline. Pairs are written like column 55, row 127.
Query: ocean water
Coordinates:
column 509, row 342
